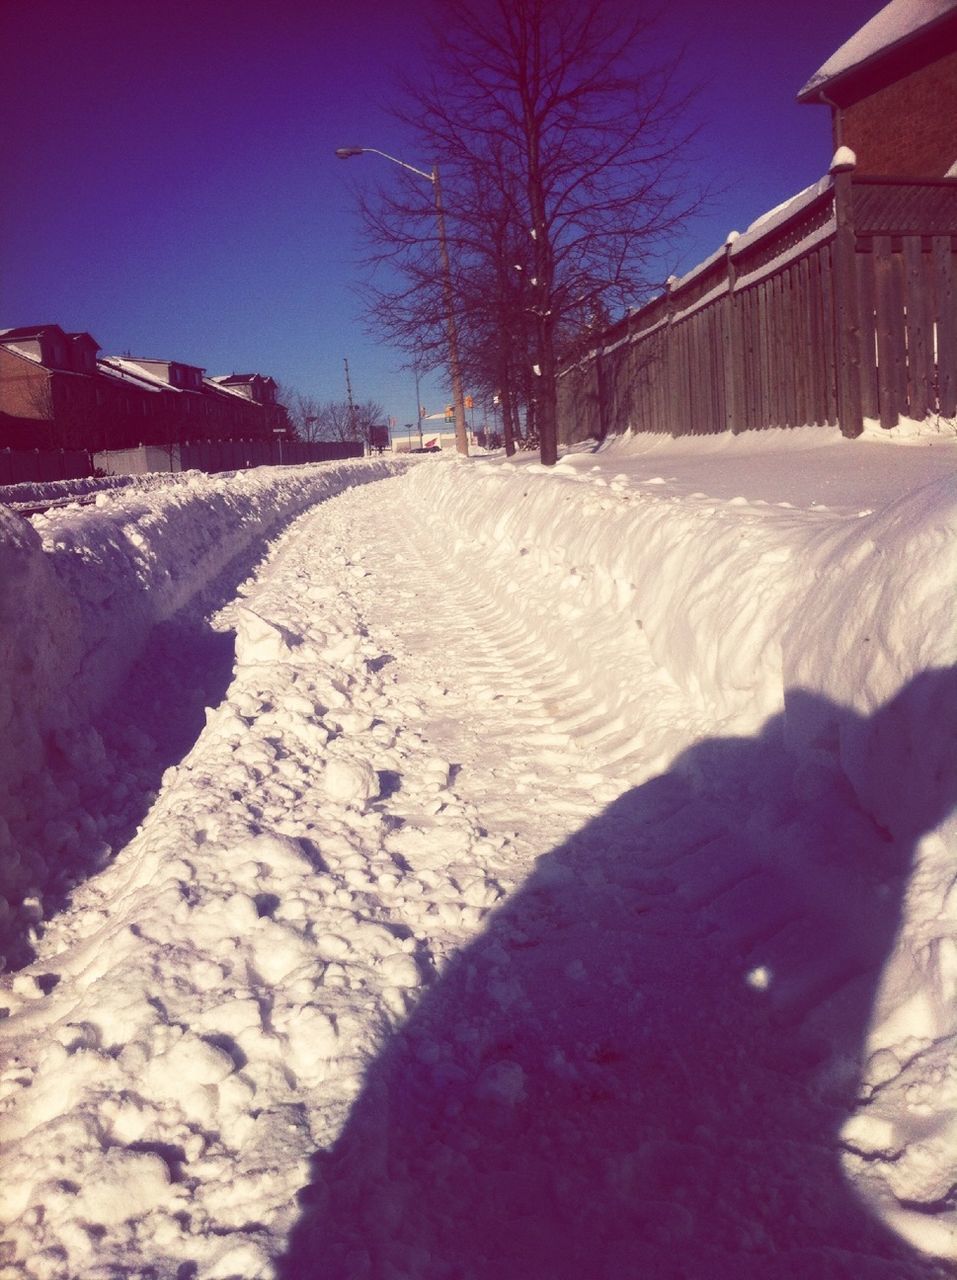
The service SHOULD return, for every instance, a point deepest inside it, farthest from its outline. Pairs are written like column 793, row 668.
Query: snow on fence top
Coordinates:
column 796, row 322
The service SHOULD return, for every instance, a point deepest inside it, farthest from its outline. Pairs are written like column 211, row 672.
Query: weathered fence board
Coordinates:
column 22, row 466
column 867, row 311
column 884, row 324
column 920, row 391
column 945, row 297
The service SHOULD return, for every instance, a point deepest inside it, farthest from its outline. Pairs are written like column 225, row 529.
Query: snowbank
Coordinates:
column 537, row 829
column 34, row 493
column 82, row 586
column 743, row 605
column 840, row 625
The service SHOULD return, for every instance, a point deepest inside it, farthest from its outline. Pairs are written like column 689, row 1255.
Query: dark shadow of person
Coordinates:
column 641, row 1067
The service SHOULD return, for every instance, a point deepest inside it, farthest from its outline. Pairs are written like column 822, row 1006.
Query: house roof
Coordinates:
column 143, row 374
column 112, row 367
column 145, row 369
column 223, row 388
column 25, row 332
column 889, row 32
column 11, row 345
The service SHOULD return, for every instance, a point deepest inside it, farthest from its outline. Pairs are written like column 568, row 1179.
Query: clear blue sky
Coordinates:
column 170, row 183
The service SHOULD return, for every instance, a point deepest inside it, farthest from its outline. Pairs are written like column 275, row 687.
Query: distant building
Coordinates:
column 47, row 377
column 892, row 90
column 259, row 390
column 433, row 435
column 251, row 386
column 56, row 392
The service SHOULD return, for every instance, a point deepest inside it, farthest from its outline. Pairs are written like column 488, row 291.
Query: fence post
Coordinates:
column 847, row 328
column 672, row 415
column 732, row 405
column 600, row 394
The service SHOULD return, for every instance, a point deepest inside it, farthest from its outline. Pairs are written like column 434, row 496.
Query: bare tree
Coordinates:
column 487, row 288
column 313, row 419
column 344, row 421
column 302, row 412
column 559, row 143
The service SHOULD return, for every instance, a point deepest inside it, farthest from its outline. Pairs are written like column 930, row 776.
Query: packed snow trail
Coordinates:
column 555, row 984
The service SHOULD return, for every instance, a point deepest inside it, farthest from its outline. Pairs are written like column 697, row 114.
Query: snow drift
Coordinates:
column 558, row 852
column 81, row 587
column 742, row 605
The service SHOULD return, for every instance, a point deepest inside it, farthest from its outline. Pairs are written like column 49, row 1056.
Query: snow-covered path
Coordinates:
column 460, row 944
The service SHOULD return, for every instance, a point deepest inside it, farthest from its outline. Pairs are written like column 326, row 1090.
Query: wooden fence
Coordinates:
column 840, row 306
column 20, row 466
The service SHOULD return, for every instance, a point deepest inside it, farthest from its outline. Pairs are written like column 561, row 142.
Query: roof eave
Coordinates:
column 825, row 88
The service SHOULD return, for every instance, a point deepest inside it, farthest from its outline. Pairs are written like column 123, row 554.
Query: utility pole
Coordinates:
column 352, row 407
column 418, row 403
column 461, row 431
column 458, row 400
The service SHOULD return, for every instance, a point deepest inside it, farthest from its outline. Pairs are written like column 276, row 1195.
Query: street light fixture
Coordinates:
column 458, row 400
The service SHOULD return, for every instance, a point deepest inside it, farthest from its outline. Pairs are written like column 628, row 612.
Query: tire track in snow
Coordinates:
column 708, row 906
column 503, row 684
column 398, row 745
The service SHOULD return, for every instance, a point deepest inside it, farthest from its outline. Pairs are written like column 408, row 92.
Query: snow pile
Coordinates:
column 34, row 493
column 845, row 625
column 521, row 907
column 740, row 603
column 81, row 588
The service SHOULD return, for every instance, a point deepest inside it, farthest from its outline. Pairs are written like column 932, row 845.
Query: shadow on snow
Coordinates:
column 595, row 1090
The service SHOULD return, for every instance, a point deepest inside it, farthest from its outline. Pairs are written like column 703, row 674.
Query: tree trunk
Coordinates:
column 508, row 432
column 545, row 394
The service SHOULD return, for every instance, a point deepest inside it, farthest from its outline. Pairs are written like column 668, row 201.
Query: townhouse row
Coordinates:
column 58, row 392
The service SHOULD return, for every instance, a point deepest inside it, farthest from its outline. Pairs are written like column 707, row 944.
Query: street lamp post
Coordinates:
column 458, row 399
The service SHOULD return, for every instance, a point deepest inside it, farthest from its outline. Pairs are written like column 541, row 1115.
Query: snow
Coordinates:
column 139, row 373
column 463, row 867
column 33, row 494
column 894, row 23
column 844, row 158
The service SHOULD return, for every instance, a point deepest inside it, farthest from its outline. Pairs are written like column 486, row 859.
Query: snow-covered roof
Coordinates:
column 217, row 384
column 125, row 365
column 16, row 349
column 113, row 367
column 27, row 331
column 146, row 368
column 895, row 24
column 41, row 333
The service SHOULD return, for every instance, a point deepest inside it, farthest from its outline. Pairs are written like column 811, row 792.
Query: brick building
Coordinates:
column 47, row 385
column 56, row 392
column 892, row 90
